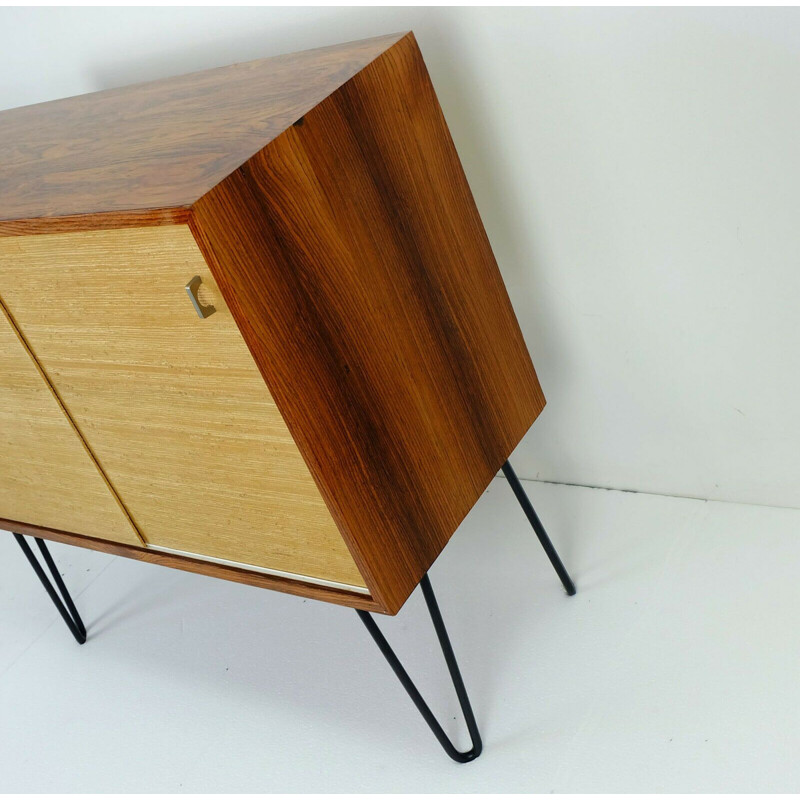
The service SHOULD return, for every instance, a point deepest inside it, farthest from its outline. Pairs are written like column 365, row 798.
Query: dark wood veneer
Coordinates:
column 353, row 258
column 111, row 220
column 158, row 145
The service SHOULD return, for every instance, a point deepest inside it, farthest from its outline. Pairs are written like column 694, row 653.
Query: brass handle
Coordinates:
column 191, row 290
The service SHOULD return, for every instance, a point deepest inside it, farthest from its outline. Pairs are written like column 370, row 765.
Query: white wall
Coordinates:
column 638, row 174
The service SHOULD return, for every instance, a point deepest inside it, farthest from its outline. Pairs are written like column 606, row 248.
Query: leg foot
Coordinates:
column 66, row 608
column 533, row 518
column 452, row 666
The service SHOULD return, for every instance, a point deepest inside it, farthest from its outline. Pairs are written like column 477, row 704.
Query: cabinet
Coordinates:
column 362, row 376
column 251, row 326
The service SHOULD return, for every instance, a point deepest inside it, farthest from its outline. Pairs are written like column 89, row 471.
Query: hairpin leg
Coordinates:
column 452, row 666
column 533, row 518
column 67, row 607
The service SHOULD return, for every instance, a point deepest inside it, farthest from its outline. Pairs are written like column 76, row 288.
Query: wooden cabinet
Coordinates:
column 362, row 376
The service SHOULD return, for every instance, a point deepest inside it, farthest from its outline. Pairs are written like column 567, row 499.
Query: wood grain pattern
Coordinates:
column 47, row 477
column 159, row 145
column 96, row 222
column 172, row 406
column 294, row 587
column 353, row 258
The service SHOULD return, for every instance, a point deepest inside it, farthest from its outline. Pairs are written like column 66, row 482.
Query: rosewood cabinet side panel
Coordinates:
column 351, row 254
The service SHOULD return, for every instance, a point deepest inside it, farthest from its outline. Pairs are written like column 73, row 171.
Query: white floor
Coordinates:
column 675, row 668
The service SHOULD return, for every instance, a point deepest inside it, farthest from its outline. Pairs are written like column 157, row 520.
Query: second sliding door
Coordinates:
column 170, row 404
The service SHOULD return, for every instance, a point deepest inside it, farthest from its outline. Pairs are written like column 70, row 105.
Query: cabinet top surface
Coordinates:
column 161, row 145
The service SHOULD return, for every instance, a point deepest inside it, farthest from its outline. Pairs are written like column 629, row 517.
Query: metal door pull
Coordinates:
column 191, row 290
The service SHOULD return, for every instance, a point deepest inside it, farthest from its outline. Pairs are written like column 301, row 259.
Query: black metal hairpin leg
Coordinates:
column 67, row 607
column 533, row 518
column 452, row 666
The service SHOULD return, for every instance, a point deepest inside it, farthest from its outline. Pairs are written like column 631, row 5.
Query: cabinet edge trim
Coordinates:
column 347, row 587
